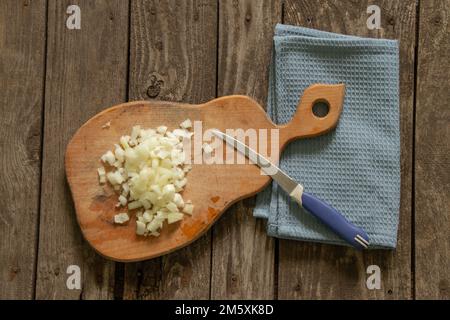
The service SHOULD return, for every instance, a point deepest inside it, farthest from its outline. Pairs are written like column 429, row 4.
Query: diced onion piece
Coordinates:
column 146, row 204
column 121, row 218
column 180, row 183
column 178, row 200
column 122, row 200
column 134, row 205
column 161, row 129
column 172, row 207
column 147, row 216
column 155, row 163
column 135, row 132
column 161, row 215
column 154, row 225
column 139, row 216
column 174, row 217
column 124, row 142
column 188, row 208
column 101, row 175
column 125, row 189
column 162, row 153
column 119, row 153
column 168, row 191
column 109, row 158
column 114, row 177
column 101, row 171
column 106, row 125
column 140, row 228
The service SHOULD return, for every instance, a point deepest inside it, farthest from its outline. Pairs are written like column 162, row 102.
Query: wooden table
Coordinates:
column 52, row 79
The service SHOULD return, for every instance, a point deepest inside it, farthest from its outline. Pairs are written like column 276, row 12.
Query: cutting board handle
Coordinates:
column 305, row 123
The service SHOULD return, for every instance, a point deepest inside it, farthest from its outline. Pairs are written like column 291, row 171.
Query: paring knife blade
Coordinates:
column 355, row 236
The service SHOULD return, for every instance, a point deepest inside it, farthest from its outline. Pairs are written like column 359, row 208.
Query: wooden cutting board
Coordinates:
column 212, row 188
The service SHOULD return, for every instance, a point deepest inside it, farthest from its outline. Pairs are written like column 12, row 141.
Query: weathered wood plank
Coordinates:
column 432, row 153
column 22, row 61
column 173, row 57
column 243, row 255
column 86, row 72
column 321, row 271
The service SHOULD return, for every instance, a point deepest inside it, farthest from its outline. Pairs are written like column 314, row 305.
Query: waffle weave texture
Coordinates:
column 356, row 167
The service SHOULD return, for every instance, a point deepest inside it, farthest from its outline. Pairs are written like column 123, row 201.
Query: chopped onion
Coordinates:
column 140, row 228
column 147, row 216
column 122, row 200
column 121, row 218
column 101, row 175
column 174, row 217
column 109, row 158
column 188, row 208
column 134, row 205
column 148, row 170
column 172, row 207
column 178, row 200
column 161, row 129
column 106, row 125
column 119, row 153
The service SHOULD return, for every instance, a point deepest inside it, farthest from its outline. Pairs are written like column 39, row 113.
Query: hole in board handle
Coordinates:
column 321, row 108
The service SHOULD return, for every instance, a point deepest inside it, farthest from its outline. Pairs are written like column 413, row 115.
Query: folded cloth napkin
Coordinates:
column 356, row 167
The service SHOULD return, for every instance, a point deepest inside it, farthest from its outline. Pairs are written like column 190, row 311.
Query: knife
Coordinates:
column 328, row 215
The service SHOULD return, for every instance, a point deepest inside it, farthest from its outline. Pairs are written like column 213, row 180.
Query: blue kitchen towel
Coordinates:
column 356, row 167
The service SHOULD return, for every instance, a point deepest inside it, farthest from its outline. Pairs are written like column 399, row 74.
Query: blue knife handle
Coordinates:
column 355, row 236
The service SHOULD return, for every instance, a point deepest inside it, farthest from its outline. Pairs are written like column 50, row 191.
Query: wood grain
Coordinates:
column 432, row 153
column 22, row 52
column 328, row 272
column 86, row 71
column 243, row 255
column 173, row 57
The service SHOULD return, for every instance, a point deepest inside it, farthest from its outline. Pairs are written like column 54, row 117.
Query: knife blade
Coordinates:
column 331, row 217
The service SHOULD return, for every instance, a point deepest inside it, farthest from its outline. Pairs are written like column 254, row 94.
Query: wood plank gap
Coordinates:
column 217, row 54
column 216, row 95
column 413, row 158
column 275, row 269
column 44, row 82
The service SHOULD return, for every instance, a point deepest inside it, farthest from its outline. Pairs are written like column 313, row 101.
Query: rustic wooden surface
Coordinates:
column 22, row 53
column 432, row 159
column 192, row 51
